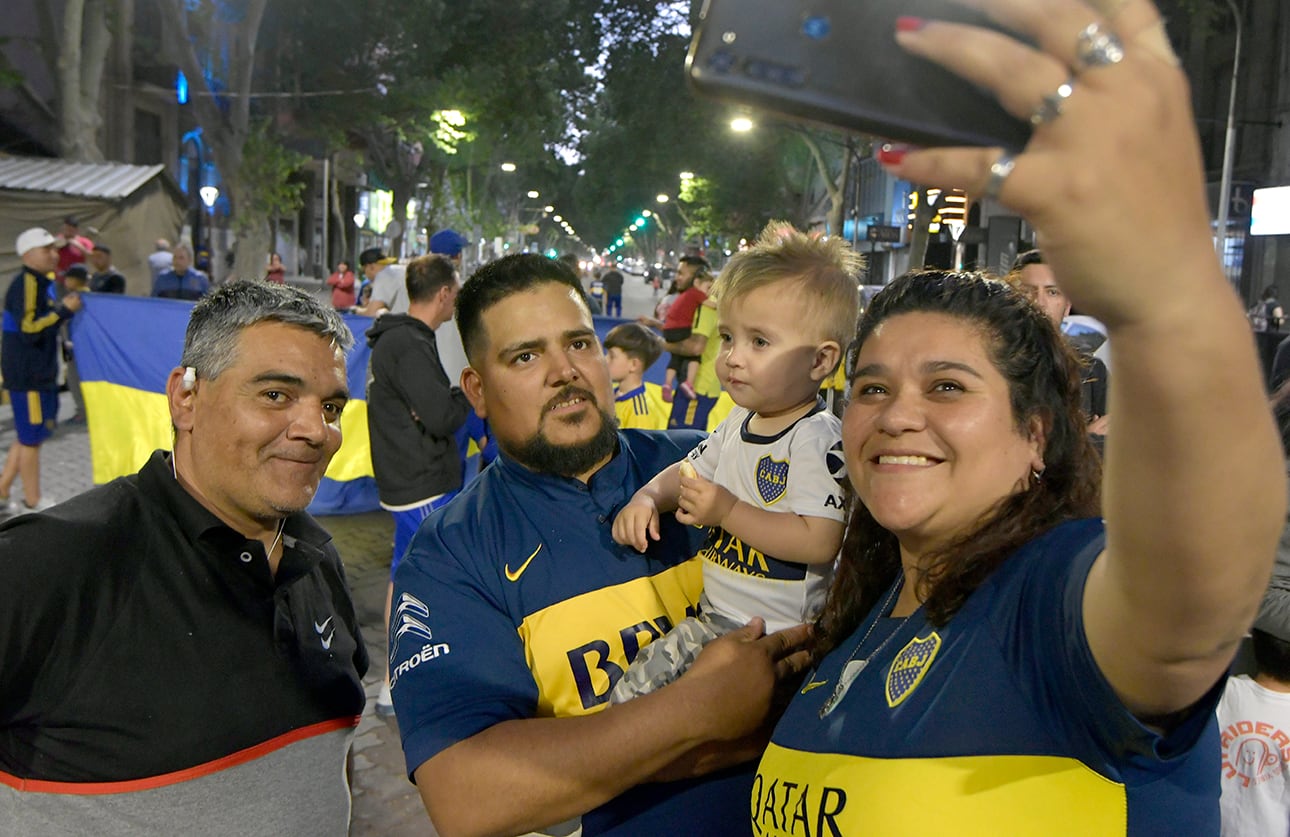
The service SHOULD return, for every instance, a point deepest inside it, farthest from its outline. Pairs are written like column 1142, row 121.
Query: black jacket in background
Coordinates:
column 412, row 413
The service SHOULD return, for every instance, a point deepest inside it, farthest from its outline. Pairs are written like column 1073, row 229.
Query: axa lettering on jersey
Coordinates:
column 787, row 808
column 577, row 648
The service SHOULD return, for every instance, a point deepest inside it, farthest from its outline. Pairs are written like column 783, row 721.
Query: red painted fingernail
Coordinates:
column 890, row 153
column 908, row 23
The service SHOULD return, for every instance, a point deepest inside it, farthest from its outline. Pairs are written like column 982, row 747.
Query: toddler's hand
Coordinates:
column 701, row 503
column 637, row 523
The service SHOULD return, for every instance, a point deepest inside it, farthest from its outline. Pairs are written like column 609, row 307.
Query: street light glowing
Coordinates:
column 533, row 193
column 741, row 124
column 548, row 208
column 662, row 198
column 508, row 167
column 557, row 218
column 209, row 194
column 687, row 175
column 359, row 219
column 646, row 213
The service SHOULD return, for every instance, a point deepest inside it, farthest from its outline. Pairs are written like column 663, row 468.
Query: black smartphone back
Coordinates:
column 836, row 63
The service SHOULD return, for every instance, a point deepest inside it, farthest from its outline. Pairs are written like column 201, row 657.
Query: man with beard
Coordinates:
column 515, row 612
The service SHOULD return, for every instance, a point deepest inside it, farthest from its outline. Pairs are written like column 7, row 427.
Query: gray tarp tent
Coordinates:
column 131, row 206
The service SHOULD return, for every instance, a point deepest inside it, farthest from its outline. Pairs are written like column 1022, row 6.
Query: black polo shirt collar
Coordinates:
column 303, row 540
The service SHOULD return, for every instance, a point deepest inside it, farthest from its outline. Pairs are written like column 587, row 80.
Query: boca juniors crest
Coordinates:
column 910, row 665
column 772, row 479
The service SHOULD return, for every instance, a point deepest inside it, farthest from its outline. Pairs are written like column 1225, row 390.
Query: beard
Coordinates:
column 538, row 453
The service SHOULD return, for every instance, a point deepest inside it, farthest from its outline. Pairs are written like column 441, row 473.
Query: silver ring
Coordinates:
column 1097, row 47
column 999, row 171
column 1051, row 106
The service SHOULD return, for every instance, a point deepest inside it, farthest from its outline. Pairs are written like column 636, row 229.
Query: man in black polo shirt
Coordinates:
column 179, row 650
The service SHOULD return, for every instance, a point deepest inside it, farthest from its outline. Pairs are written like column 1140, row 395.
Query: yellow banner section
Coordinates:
column 806, row 794
column 126, row 425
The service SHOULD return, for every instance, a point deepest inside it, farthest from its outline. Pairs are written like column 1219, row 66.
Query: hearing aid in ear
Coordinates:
column 190, row 377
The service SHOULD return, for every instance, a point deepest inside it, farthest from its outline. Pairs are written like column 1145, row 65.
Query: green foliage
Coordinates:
column 265, row 178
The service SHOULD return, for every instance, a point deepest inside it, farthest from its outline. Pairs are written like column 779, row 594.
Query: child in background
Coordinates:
column 768, row 479
column 632, row 348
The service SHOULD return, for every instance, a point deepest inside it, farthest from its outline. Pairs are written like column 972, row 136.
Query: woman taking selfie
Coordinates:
column 1004, row 652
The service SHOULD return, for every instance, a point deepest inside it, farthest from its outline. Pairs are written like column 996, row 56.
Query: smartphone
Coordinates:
column 836, row 63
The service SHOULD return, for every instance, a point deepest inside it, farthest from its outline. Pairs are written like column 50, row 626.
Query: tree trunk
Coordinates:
column 403, row 189
column 77, row 124
column 252, row 229
column 342, row 226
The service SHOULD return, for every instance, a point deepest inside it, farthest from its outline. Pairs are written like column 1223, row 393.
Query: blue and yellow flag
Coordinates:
column 125, row 349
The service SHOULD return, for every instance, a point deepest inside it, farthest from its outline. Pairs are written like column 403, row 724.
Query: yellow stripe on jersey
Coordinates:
column 577, row 648
column 798, row 793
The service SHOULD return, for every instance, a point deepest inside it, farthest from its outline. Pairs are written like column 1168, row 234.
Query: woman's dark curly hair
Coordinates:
column 1044, row 376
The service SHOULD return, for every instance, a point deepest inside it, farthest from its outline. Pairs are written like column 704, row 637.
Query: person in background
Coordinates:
column 613, row 282
column 160, row 260
column 105, row 279
column 343, row 294
column 766, row 483
column 276, row 272
column 630, row 349
column 75, row 281
column 702, row 344
column 181, row 281
column 29, row 364
column 180, row 646
column 1035, row 279
column 679, row 318
column 389, row 291
column 985, row 547
column 1254, row 727
column 413, row 412
column 515, row 613
column 73, row 248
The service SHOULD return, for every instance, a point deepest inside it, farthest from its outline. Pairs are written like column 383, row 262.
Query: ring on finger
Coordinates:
column 1050, row 107
column 1096, row 47
column 999, row 171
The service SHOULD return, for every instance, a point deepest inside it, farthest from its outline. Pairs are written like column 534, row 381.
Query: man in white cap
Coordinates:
column 29, row 363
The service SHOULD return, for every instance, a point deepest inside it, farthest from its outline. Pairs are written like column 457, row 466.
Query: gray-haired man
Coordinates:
column 179, row 647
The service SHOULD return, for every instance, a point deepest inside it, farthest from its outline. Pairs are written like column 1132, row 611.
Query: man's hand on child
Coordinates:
column 702, row 503
column 637, row 523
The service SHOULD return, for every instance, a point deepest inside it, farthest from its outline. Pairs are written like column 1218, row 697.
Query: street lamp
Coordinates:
column 209, row 195
column 360, row 221
column 741, row 124
column 534, row 193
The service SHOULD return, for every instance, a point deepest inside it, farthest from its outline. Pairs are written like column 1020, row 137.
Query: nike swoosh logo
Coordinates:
column 326, row 643
column 320, row 628
column 814, row 684
column 515, row 576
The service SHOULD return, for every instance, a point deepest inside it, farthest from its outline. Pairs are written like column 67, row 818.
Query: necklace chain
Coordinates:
column 852, row 667
column 282, row 524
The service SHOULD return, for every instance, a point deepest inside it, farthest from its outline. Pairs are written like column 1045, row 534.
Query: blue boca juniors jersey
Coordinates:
column 514, row 602
column 998, row 723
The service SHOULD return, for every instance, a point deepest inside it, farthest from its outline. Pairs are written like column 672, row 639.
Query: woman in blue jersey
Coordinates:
column 1004, row 652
